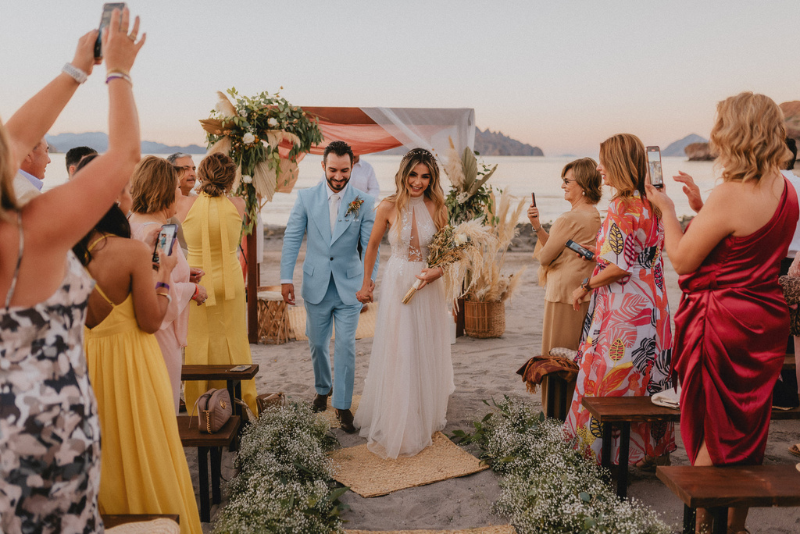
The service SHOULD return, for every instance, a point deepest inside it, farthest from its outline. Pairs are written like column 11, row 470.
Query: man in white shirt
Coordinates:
column 362, row 177
column 34, row 165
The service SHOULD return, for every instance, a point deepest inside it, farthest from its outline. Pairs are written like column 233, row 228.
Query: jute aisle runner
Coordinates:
column 370, row 475
column 499, row 529
column 297, row 323
column 330, row 413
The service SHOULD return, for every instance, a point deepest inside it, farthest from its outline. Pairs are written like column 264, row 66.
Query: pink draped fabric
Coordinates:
column 362, row 138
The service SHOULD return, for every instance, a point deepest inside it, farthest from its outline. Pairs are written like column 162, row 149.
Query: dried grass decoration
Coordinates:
column 454, row 250
column 487, row 284
column 265, row 136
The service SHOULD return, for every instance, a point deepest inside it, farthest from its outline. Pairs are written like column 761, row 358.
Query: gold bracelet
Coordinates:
column 118, row 71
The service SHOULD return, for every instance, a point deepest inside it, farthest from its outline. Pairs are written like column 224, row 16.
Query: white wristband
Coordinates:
column 77, row 74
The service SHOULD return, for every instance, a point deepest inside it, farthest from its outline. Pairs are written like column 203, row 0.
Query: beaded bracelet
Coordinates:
column 119, row 75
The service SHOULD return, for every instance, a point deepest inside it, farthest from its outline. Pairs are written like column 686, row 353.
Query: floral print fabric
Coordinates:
column 626, row 343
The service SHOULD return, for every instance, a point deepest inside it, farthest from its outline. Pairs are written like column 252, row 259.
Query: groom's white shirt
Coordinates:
column 331, row 192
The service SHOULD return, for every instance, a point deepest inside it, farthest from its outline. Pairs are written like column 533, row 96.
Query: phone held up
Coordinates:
column 105, row 20
column 654, row 164
column 573, row 246
column 166, row 238
column 533, row 198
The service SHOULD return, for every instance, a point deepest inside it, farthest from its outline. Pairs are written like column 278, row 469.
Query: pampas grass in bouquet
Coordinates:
column 454, row 249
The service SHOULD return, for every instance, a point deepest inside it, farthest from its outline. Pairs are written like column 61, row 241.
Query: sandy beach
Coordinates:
column 484, row 368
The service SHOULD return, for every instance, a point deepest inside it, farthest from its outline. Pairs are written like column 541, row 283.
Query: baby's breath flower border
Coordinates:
column 285, row 479
column 547, row 485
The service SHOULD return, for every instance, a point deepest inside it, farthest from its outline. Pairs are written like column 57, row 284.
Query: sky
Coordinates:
column 562, row 75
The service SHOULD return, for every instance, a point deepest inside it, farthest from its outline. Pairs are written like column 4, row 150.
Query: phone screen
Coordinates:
column 654, row 162
column 575, row 247
column 165, row 239
column 105, row 20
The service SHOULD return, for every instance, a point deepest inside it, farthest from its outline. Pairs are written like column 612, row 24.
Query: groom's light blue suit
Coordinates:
column 332, row 274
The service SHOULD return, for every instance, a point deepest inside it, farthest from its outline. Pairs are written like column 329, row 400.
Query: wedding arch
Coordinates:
column 368, row 130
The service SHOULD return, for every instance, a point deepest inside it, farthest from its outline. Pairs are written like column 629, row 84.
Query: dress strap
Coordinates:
column 96, row 285
column 102, row 294
column 96, row 241
column 13, row 286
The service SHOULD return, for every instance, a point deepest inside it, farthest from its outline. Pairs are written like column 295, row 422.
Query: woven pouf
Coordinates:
column 273, row 321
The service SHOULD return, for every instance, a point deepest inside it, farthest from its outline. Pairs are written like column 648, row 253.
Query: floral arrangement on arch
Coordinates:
column 263, row 135
column 470, row 197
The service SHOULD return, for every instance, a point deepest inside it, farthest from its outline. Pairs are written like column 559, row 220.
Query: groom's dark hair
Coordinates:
column 340, row 148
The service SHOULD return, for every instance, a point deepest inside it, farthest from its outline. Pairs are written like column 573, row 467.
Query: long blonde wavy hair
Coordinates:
column 434, row 191
column 750, row 137
column 8, row 200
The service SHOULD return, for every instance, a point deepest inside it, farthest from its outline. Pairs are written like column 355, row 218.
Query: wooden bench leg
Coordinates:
column 605, row 453
column 720, row 520
column 624, row 454
column 205, row 507
column 551, row 397
column 236, row 409
column 689, row 520
column 216, row 474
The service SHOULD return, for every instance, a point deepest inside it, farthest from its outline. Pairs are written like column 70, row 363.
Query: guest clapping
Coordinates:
column 217, row 328
column 732, row 323
column 626, row 343
column 50, row 437
column 561, row 271
column 155, row 190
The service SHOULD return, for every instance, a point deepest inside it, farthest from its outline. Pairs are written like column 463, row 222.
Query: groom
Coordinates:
column 335, row 217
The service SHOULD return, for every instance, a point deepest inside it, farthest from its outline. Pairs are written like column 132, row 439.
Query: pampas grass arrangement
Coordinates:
column 487, row 283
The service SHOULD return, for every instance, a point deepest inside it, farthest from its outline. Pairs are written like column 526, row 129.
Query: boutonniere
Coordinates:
column 354, row 206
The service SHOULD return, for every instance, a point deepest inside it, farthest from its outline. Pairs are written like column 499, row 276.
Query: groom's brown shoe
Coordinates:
column 320, row 403
column 345, row 418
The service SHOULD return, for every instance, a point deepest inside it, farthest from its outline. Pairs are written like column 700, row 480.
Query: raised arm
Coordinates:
column 83, row 200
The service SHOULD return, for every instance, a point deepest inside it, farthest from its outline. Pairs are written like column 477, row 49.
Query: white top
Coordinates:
column 37, row 183
column 794, row 246
column 363, row 177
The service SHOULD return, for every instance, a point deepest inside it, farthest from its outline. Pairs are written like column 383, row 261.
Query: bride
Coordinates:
column 410, row 375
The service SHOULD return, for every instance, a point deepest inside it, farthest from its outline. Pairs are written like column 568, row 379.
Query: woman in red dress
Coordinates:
column 732, row 323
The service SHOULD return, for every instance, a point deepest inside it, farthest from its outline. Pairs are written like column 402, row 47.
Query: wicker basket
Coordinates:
column 484, row 319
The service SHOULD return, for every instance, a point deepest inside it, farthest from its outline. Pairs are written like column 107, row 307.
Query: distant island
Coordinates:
column 99, row 142
column 487, row 143
column 678, row 148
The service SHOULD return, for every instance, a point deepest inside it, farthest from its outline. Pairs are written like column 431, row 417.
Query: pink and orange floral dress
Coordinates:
column 626, row 344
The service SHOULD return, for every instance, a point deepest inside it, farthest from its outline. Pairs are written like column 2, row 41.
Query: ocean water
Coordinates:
column 520, row 175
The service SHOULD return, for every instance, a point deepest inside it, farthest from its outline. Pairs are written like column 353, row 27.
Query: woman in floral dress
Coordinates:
column 626, row 344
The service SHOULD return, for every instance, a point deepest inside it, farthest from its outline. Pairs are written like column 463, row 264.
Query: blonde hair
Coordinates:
column 749, row 136
column 434, row 191
column 8, row 200
column 153, row 185
column 625, row 162
column 216, row 174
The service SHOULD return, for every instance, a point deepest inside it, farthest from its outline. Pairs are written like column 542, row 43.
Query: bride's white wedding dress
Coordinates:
column 410, row 376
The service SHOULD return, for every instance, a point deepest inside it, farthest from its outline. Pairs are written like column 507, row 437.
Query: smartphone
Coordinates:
column 238, row 368
column 654, row 162
column 166, row 237
column 573, row 246
column 533, row 199
column 105, row 20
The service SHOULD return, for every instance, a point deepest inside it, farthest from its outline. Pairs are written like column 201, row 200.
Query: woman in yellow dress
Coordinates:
column 143, row 468
column 218, row 327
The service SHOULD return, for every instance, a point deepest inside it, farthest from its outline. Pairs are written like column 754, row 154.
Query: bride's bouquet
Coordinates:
column 454, row 249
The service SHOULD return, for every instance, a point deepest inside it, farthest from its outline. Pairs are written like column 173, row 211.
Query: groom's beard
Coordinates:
column 337, row 185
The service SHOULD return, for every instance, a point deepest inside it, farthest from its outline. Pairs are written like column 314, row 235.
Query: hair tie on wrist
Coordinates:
column 162, row 284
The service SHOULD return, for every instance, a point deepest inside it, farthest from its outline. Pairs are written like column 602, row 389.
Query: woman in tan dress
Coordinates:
column 561, row 270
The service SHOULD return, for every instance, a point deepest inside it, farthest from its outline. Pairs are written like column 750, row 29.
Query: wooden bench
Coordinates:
column 205, row 443
column 221, row 372
column 623, row 411
column 718, row 488
column 111, row 521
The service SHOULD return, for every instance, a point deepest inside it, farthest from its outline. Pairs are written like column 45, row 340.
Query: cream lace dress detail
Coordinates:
column 410, row 377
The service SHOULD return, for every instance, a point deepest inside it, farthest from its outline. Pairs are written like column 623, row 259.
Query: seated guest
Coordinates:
column 75, row 155
column 732, row 323
column 561, row 270
column 50, row 438
column 155, row 187
column 144, row 469
column 626, row 342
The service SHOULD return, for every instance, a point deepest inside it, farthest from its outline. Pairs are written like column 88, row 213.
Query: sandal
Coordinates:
column 795, row 449
column 649, row 463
